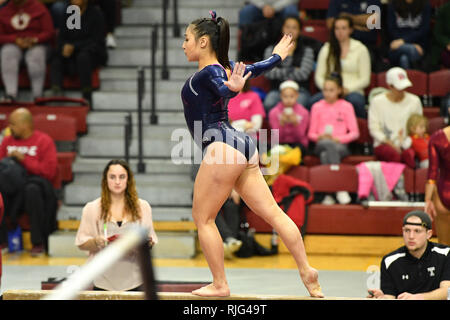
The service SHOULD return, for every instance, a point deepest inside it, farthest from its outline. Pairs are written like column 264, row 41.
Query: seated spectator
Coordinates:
column 388, row 113
column 256, row 10
column 408, row 25
column 108, row 217
column 297, row 66
column 358, row 11
column 332, row 126
column 26, row 28
column 228, row 223
column 418, row 138
column 57, row 9
column 440, row 50
column 290, row 118
column 36, row 152
column 246, row 111
column 109, row 8
column 348, row 57
column 80, row 51
column 420, row 269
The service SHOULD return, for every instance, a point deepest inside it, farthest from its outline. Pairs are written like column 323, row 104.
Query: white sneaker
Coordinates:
column 328, row 200
column 343, row 197
column 110, row 41
column 231, row 246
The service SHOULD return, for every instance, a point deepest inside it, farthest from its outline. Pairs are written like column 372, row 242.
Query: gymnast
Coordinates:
column 437, row 189
column 230, row 158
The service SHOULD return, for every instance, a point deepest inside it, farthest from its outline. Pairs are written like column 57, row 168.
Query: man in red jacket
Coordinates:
column 36, row 151
column 26, row 27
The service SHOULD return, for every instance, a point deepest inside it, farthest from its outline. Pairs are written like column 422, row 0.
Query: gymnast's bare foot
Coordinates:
column 310, row 279
column 212, row 291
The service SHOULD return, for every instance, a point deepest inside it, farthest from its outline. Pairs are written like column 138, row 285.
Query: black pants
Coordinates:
column 30, row 200
column 228, row 220
column 81, row 62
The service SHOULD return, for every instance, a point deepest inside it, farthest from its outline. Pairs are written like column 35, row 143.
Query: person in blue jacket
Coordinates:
column 408, row 25
column 230, row 158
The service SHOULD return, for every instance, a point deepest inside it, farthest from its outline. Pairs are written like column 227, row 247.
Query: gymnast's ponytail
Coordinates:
column 218, row 31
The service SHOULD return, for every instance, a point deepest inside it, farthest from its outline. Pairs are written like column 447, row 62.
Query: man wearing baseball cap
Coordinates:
column 388, row 113
column 420, row 270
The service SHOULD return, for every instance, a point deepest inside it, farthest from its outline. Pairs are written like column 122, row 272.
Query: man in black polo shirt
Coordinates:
column 420, row 270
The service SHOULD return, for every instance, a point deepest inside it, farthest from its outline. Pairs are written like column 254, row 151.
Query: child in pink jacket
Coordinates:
column 290, row 118
column 332, row 126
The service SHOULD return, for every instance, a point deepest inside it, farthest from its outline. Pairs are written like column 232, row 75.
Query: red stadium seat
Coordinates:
column 431, row 112
column 318, row 32
column 418, row 78
column 364, row 134
column 439, row 83
column 420, row 180
column 437, row 3
column 409, row 176
column 65, row 160
column 333, row 178
column 313, row 4
column 61, row 128
column 299, row 172
column 373, row 83
column 435, row 124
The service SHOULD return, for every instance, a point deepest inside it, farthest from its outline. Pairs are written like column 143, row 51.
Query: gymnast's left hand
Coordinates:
column 237, row 78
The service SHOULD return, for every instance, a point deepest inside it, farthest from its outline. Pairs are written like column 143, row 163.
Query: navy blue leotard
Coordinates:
column 205, row 100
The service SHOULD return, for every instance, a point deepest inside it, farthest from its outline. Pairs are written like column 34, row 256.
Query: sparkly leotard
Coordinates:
column 205, row 99
column 439, row 166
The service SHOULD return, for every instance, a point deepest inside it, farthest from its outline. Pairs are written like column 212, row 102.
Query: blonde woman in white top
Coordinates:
column 348, row 57
column 118, row 209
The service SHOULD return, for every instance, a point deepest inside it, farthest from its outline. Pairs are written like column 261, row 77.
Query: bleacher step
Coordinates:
column 165, row 218
column 130, row 73
column 153, row 14
column 118, row 118
column 153, row 166
column 175, row 245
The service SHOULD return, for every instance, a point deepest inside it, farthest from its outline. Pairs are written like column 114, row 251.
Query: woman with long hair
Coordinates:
column 437, row 189
column 106, row 218
column 298, row 66
column 230, row 157
column 348, row 57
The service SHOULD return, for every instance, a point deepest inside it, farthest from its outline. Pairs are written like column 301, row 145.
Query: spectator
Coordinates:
column 358, row 12
column 36, row 152
column 256, row 10
column 57, row 9
column 228, row 223
column 348, row 57
column 80, row 50
column 297, row 66
column 437, row 196
column 26, row 28
column 408, row 25
column 246, row 111
column 388, row 113
column 117, row 210
column 417, row 138
column 420, row 270
column 109, row 8
column 290, row 118
column 332, row 126
column 440, row 50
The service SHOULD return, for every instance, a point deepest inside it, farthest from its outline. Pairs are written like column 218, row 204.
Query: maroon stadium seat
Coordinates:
column 333, row 178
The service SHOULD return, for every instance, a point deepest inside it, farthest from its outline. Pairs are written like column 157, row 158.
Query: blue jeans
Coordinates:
column 404, row 56
column 355, row 98
column 273, row 97
column 251, row 13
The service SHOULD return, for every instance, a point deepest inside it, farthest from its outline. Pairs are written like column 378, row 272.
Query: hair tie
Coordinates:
column 213, row 15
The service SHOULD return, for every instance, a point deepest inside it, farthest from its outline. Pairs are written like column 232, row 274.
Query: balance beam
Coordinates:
column 125, row 295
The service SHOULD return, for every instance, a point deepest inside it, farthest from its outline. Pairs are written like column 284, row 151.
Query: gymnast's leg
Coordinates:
column 442, row 220
column 213, row 184
column 256, row 194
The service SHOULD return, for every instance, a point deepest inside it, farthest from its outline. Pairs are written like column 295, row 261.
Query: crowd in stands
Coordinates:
column 49, row 38
column 365, row 39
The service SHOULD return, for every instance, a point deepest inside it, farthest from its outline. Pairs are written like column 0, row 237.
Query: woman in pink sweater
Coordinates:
column 332, row 126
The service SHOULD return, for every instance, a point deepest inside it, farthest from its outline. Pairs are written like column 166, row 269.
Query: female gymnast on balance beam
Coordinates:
column 230, row 158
